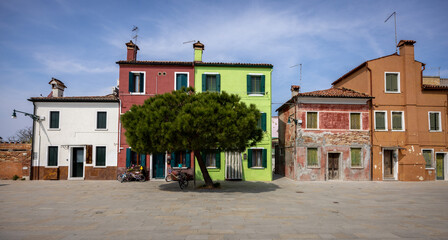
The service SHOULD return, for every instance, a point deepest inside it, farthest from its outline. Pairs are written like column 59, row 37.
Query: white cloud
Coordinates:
column 64, row 64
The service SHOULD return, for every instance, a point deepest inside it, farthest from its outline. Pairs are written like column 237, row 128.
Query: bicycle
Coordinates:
column 181, row 177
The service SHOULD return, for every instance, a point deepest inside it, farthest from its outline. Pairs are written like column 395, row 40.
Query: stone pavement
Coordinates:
column 282, row 209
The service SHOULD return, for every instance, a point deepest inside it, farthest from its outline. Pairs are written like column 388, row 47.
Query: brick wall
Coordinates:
column 15, row 159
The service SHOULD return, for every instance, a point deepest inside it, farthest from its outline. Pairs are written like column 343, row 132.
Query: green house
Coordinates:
column 252, row 82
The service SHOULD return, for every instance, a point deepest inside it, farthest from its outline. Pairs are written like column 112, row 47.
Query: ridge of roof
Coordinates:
column 191, row 63
column 107, row 98
column 434, row 87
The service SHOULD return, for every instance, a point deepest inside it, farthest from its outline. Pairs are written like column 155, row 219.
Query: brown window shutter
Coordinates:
column 89, row 154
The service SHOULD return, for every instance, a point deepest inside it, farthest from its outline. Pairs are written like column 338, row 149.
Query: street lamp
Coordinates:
column 34, row 117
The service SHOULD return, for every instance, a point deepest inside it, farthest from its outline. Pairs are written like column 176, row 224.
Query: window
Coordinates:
column 133, row 158
column 100, row 159
column 211, row 82
column 54, row 119
column 355, row 121
column 434, row 122
column 311, row 120
column 311, row 157
column 212, row 159
column 52, row 156
column 380, row 121
column 180, row 159
column 355, row 156
column 255, row 84
column 181, row 80
column 101, row 120
column 392, row 82
column 257, row 158
column 262, row 122
column 136, row 82
column 427, row 154
column 397, row 121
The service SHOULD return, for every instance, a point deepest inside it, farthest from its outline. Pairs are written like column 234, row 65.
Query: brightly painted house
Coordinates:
column 252, row 82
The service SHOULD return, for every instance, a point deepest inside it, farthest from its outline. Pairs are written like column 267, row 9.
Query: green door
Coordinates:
column 159, row 165
column 440, row 168
column 78, row 162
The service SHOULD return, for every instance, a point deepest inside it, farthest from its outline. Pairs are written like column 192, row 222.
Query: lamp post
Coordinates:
column 32, row 116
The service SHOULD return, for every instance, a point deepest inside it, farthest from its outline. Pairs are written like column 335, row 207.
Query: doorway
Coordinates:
column 333, row 166
column 440, row 166
column 234, row 166
column 77, row 162
column 390, row 164
column 158, row 167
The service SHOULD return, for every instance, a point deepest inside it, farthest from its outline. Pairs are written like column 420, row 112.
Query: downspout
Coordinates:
column 371, row 123
column 295, row 135
column 32, row 144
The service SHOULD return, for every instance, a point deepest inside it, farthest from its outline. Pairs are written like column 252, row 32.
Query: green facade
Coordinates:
column 239, row 79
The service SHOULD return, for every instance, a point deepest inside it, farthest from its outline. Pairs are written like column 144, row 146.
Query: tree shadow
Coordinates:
column 1, row 185
column 225, row 187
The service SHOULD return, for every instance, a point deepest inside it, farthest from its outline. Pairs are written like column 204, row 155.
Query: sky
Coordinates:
column 79, row 42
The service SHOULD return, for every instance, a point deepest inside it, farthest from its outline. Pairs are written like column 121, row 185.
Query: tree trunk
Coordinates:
column 207, row 178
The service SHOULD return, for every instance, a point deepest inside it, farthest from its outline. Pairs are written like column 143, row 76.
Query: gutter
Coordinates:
column 371, row 124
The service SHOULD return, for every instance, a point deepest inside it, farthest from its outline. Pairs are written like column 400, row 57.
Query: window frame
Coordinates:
column 261, row 155
column 216, row 79
column 350, row 121
column 432, row 157
column 261, row 78
column 48, row 157
column 398, row 82
column 49, row 121
column 318, row 157
column 144, row 83
column 175, row 79
column 361, row 165
column 385, row 121
column 440, row 121
column 317, row 124
column 96, row 156
column 97, row 115
column 392, row 121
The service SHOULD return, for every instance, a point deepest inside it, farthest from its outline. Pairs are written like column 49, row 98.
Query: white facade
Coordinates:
column 77, row 130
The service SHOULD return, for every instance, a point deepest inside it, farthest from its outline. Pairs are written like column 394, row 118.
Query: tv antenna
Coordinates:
column 135, row 37
column 300, row 73
column 395, row 21
column 189, row 41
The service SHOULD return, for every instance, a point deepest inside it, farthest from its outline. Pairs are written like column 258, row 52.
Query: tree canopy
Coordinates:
column 185, row 120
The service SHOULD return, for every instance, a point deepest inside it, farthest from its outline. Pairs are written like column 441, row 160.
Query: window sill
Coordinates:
column 51, row 166
column 397, row 130
column 99, row 166
column 313, row 167
column 178, row 168
column 54, row 129
column 430, row 168
column 435, row 130
column 357, row 167
column 137, row 93
column 212, row 168
column 391, row 92
column 312, row 129
column 257, row 168
column 255, row 95
column 101, row 129
column 379, row 130
column 356, row 130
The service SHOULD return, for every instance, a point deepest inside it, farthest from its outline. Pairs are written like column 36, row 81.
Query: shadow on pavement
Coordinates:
column 226, row 186
column 1, row 185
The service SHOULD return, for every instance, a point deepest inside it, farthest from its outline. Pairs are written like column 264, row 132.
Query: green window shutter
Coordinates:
column 218, row 159
column 311, row 120
column 100, row 156
column 101, row 120
column 249, row 84
column 142, row 81
column 312, row 157
column 355, row 120
column 188, row 158
column 432, row 123
column 427, row 154
column 184, row 80
column 204, row 82
column 178, row 82
column 355, row 155
column 394, row 82
column 128, row 157
column 218, row 82
column 263, row 88
column 249, row 158
column 131, row 82
column 380, row 121
column 173, row 160
column 396, row 121
column 54, row 119
column 265, row 158
column 52, row 156
column 263, row 121
column 388, row 82
column 143, row 160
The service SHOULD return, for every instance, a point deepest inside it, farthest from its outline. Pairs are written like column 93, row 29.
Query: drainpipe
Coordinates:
column 32, row 144
column 295, row 134
column 371, row 124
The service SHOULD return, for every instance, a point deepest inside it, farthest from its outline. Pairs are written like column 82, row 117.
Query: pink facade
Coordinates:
column 154, row 77
column 338, row 148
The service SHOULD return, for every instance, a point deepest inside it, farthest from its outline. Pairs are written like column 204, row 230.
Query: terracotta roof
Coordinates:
column 434, row 87
column 328, row 93
column 196, row 63
column 58, row 81
column 107, row 98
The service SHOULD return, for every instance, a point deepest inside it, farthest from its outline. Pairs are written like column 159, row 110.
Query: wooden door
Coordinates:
column 333, row 166
column 159, row 165
column 388, row 164
column 78, row 162
column 440, row 168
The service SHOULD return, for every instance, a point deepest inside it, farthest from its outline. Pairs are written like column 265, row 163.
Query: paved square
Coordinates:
column 282, row 209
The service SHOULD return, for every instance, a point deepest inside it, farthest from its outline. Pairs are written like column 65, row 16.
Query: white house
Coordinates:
column 75, row 137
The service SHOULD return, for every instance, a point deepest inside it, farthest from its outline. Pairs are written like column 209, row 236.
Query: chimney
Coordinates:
column 57, row 88
column 198, row 48
column 407, row 48
column 295, row 90
column 132, row 51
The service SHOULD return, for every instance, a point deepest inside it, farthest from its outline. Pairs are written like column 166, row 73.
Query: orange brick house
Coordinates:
column 407, row 117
